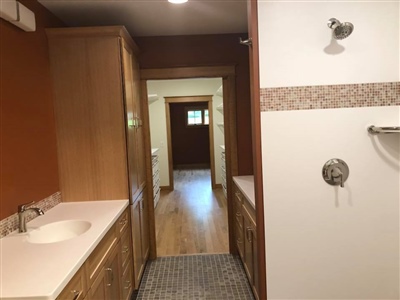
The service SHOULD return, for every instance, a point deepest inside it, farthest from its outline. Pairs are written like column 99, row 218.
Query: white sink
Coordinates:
column 58, row 231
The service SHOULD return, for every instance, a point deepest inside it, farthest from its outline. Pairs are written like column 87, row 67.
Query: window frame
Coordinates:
column 197, row 108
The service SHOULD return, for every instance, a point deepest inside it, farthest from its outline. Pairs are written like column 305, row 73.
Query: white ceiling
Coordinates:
column 155, row 17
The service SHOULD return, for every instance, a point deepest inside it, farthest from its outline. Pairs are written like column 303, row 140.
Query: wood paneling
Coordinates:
column 257, row 151
column 28, row 165
column 89, row 117
column 202, row 51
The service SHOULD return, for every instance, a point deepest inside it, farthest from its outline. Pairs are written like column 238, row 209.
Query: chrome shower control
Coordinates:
column 335, row 172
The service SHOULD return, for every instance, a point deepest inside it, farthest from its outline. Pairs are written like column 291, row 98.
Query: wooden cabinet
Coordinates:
column 100, row 138
column 98, row 113
column 140, row 236
column 246, row 238
column 107, row 273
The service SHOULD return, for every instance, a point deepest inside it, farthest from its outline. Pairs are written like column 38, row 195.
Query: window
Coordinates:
column 197, row 116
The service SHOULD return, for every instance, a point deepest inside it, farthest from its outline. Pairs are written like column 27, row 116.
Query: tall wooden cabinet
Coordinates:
column 100, row 138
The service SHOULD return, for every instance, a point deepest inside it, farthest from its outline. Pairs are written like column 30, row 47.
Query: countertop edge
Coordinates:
column 239, row 183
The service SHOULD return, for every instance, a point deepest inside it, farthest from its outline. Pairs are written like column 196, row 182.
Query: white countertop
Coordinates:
column 246, row 186
column 222, row 147
column 41, row 271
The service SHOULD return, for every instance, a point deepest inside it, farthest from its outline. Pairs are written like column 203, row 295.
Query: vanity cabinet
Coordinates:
column 106, row 274
column 245, row 236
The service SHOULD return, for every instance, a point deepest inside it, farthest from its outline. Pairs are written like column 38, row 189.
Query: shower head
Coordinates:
column 340, row 30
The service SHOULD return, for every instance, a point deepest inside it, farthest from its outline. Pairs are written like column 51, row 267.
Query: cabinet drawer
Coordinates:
column 122, row 222
column 76, row 289
column 156, row 179
column 99, row 256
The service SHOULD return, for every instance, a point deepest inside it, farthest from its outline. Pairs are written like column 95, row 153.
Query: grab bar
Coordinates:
column 377, row 130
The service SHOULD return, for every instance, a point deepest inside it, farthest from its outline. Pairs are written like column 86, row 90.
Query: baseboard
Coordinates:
column 166, row 188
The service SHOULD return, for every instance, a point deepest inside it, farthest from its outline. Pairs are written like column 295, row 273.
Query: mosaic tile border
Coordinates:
column 10, row 223
column 330, row 96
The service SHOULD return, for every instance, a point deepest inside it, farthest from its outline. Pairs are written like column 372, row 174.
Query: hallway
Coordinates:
column 192, row 219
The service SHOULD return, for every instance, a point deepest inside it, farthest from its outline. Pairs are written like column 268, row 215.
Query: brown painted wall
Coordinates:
column 208, row 50
column 28, row 163
column 190, row 145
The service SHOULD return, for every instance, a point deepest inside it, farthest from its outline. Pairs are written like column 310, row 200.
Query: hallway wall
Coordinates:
column 322, row 241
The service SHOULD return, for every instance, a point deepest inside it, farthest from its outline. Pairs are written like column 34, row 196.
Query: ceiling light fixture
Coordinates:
column 177, row 1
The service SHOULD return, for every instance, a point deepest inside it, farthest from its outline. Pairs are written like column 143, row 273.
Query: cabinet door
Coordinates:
column 112, row 269
column 144, row 226
column 136, row 241
column 131, row 118
column 98, row 290
column 256, row 282
column 141, row 166
column 248, row 250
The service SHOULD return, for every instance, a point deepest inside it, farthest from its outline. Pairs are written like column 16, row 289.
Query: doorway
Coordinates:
column 191, row 214
column 227, row 73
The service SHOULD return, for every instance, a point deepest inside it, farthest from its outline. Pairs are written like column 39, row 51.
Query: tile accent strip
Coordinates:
column 10, row 223
column 330, row 96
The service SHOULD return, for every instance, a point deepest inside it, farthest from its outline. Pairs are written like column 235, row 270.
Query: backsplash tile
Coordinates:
column 330, row 96
column 10, row 224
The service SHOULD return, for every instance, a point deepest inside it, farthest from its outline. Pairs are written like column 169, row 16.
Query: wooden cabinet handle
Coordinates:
column 123, row 222
column 76, row 294
column 126, row 249
column 249, row 232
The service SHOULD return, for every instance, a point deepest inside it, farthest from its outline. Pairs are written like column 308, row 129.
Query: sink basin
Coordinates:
column 58, row 231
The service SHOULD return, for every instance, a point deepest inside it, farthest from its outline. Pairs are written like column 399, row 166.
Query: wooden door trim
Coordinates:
column 169, row 147
column 254, row 63
column 190, row 99
column 187, row 72
column 228, row 75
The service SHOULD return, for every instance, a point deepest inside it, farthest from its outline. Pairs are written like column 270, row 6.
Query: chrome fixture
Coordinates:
column 377, row 130
column 247, row 42
column 340, row 31
column 23, row 210
column 335, row 172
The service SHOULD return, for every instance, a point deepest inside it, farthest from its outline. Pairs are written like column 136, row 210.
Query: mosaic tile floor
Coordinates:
column 195, row 277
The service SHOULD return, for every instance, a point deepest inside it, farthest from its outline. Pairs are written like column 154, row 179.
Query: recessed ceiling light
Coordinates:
column 177, row 1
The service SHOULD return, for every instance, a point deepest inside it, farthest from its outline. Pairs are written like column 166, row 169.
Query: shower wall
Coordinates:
column 318, row 97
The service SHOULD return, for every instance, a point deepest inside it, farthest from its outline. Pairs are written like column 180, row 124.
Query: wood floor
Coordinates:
column 192, row 219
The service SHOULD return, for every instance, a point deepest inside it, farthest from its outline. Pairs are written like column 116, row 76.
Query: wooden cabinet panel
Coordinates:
column 112, row 269
column 127, row 282
column 137, row 246
column 89, row 117
column 144, row 225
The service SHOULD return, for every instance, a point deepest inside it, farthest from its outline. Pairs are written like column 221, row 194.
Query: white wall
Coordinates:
column 326, row 242
column 158, row 131
column 294, row 38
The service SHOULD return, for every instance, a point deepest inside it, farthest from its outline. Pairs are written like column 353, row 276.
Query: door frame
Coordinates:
column 228, row 75
column 190, row 99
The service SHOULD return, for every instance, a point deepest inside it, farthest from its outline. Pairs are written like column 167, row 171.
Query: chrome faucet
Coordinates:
column 22, row 211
